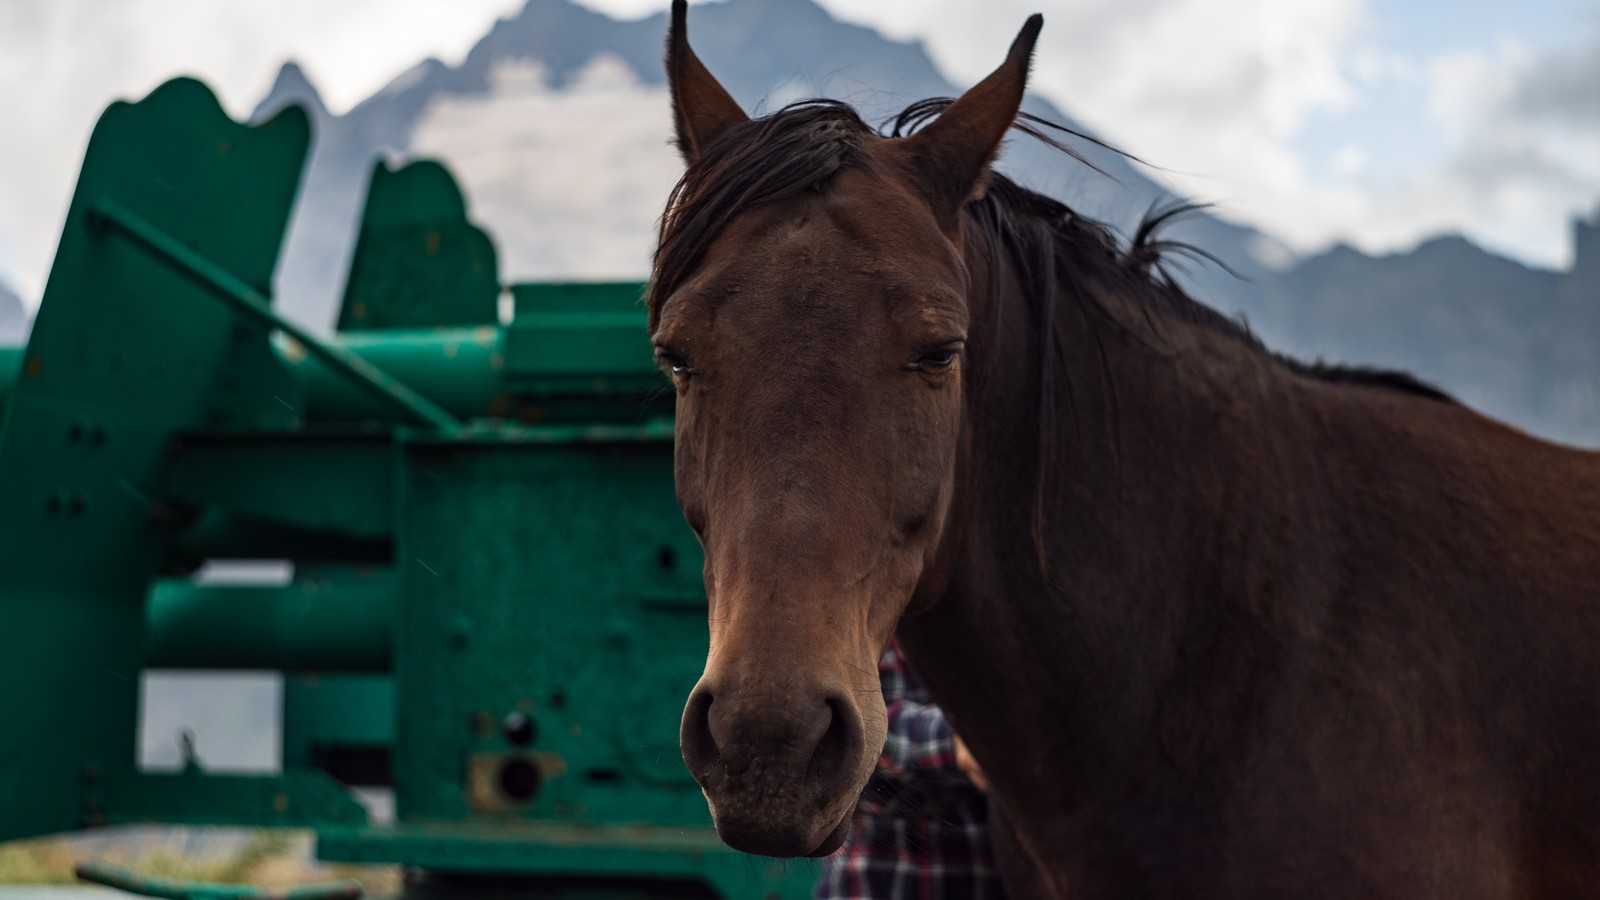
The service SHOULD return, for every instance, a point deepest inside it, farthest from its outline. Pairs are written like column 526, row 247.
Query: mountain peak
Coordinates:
column 291, row 87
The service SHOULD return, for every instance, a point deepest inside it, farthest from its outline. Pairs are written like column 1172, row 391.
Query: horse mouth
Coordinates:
column 781, row 840
column 835, row 838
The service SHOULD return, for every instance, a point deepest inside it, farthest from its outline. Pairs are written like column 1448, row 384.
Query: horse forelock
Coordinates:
column 802, row 146
column 797, row 149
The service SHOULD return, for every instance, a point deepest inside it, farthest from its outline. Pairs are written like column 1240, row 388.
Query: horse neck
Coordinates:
column 1074, row 612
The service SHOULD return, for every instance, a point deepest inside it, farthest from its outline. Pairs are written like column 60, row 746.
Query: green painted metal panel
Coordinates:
column 123, row 352
column 580, row 337
column 341, row 724
column 419, row 262
column 558, row 581
column 327, row 484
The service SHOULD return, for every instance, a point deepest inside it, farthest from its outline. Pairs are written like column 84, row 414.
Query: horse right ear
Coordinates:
column 949, row 156
column 701, row 108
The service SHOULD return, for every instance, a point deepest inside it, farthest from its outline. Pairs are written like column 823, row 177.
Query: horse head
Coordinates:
column 810, row 303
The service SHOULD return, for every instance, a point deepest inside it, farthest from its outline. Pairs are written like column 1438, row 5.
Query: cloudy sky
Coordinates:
column 1373, row 122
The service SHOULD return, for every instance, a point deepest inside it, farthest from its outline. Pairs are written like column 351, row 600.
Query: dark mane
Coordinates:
column 801, row 147
column 1365, row 375
column 796, row 149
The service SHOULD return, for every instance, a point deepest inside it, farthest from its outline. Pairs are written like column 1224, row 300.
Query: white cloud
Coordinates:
column 1350, row 159
column 1517, row 168
column 1217, row 92
column 1462, row 81
column 64, row 61
column 1374, row 67
column 1212, row 91
column 570, row 183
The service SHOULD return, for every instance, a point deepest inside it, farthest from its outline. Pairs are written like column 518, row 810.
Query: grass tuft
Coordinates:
column 270, row 858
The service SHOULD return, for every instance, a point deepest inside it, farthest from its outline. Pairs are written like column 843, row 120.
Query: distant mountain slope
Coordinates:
column 13, row 318
column 1517, row 343
column 556, row 45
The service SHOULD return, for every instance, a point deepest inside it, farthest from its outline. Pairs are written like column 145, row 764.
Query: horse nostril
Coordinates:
column 831, row 761
column 699, row 746
column 723, row 741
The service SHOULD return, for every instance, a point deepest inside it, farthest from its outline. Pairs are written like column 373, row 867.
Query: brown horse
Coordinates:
column 1215, row 623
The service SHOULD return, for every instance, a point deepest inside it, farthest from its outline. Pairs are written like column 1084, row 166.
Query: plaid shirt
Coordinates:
column 921, row 830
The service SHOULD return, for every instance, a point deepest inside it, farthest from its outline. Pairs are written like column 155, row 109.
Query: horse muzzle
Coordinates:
column 781, row 773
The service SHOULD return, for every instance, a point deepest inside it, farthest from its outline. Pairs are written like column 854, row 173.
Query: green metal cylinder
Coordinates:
column 460, row 369
column 306, row 626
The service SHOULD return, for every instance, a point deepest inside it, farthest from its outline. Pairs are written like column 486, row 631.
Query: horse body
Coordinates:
column 1350, row 647
column 1215, row 623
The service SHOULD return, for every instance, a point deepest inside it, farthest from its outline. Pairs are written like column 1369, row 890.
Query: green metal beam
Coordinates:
column 308, row 626
column 244, row 299
column 460, row 369
column 586, row 337
column 537, row 848
column 320, row 483
column 290, row 800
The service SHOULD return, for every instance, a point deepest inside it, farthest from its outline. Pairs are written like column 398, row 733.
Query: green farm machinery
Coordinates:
column 495, row 609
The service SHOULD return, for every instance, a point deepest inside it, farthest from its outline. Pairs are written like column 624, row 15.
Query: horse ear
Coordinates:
column 949, row 156
column 701, row 108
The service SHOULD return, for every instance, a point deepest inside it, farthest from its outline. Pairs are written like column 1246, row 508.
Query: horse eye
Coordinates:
column 938, row 359
column 676, row 364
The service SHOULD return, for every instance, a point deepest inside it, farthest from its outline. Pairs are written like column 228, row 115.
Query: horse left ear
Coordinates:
column 949, row 156
column 702, row 109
